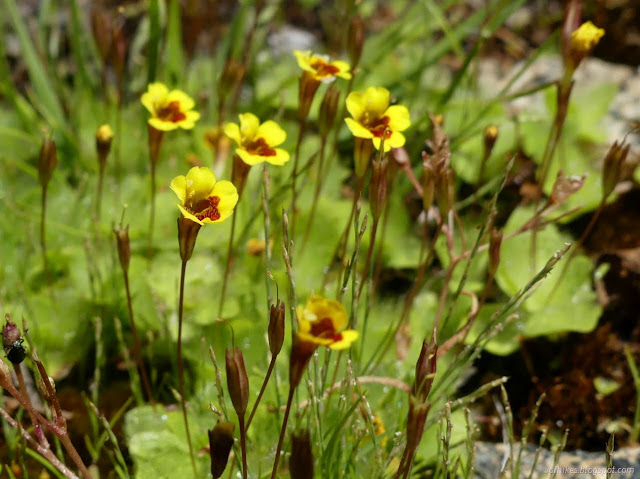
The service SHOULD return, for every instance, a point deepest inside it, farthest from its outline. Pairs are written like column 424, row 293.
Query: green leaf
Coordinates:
column 605, row 386
column 560, row 304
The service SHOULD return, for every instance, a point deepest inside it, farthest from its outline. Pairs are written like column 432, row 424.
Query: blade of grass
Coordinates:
column 175, row 65
column 636, row 381
column 153, row 45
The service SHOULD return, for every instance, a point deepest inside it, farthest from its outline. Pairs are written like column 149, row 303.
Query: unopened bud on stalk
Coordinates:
column 612, row 167
column 187, row 235
column 362, row 150
column 301, row 460
column 581, row 43
column 495, row 240
column 220, row 444
column 426, row 368
column 415, row 422
column 308, row 87
column 231, row 77
column 239, row 174
column 101, row 26
column 44, row 391
column 355, row 40
column 47, row 161
column 490, row 137
column 104, row 137
column 237, row 380
column 124, row 246
column 378, row 186
column 276, row 327
column 328, row 111
column 12, row 341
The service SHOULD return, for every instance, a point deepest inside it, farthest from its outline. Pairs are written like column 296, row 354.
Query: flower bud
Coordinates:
column 101, row 26
column 187, row 235
column 301, row 460
column 362, row 150
column 581, row 43
column 495, row 240
column 220, row 444
column 426, row 368
column 378, row 186
column 308, row 87
column 104, row 136
column 124, row 246
column 12, row 341
column 355, row 40
column 490, row 137
column 415, row 422
column 239, row 174
column 44, row 391
column 328, row 111
column 612, row 167
column 276, row 327
column 237, row 380
column 47, row 161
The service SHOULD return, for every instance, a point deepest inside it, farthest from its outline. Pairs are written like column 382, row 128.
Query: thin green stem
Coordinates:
column 316, row 193
column 181, row 367
column 152, row 214
column 227, row 268
column 294, row 177
column 43, row 234
column 243, row 445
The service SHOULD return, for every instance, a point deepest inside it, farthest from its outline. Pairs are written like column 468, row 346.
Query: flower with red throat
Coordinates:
column 202, row 198
column 257, row 141
column 169, row 109
column 321, row 68
column 372, row 117
column 321, row 322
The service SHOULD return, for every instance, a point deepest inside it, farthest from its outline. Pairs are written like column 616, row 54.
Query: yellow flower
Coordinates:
column 256, row 141
column 169, row 109
column 372, row 115
column 321, row 322
column 584, row 39
column 202, row 198
column 321, row 68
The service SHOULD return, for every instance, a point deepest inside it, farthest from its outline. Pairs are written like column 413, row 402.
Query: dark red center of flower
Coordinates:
column 324, row 69
column 260, row 147
column 171, row 112
column 378, row 126
column 323, row 328
column 208, row 209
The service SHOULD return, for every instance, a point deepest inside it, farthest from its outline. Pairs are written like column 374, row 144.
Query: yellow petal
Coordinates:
column 156, row 94
column 228, row 194
column 233, row 131
column 396, row 140
column 185, row 101
column 399, row 119
column 272, row 133
column 376, row 100
column 348, row 337
column 279, row 159
column 200, row 183
column 304, row 59
column 248, row 158
column 162, row 125
column 190, row 121
column 310, row 338
column 357, row 129
column 179, row 187
column 249, row 125
column 356, row 104
column 344, row 68
column 327, row 308
column 186, row 214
